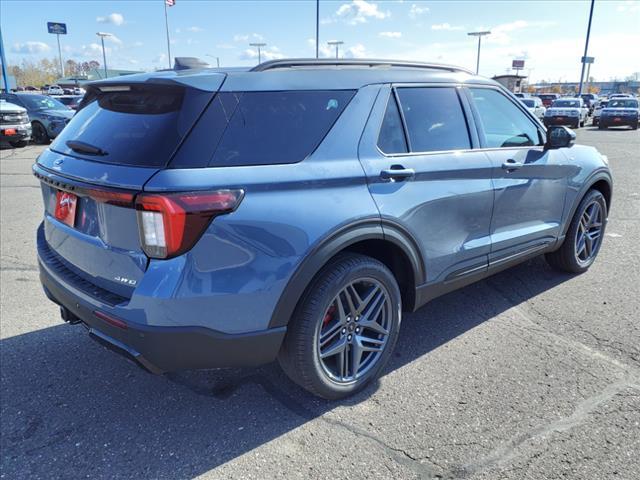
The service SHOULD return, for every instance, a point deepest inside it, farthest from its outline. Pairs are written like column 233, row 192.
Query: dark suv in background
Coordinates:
column 207, row 218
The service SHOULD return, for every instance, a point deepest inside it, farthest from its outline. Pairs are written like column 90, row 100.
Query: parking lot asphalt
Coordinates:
column 528, row 374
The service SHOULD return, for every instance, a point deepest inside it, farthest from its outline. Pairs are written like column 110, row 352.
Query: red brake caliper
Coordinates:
column 329, row 315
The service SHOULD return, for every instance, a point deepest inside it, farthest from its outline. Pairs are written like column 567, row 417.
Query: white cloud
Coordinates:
column 357, row 51
column 360, row 11
column 225, row 46
column 137, row 44
column 195, row 29
column 500, row 34
column 269, row 53
column 93, row 50
column 390, row 34
column 160, row 58
column 446, row 26
column 325, row 51
column 113, row 18
column 415, row 11
column 629, row 6
column 113, row 39
column 244, row 38
column 30, row 47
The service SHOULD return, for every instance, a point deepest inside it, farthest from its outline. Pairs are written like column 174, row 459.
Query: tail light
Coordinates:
column 171, row 224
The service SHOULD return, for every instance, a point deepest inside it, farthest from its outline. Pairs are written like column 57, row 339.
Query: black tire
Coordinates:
column 19, row 144
column 566, row 258
column 576, row 126
column 300, row 352
column 583, row 122
column 634, row 126
column 602, row 127
column 39, row 134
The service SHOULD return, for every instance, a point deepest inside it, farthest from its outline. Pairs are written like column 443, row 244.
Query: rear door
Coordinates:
column 122, row 135
column 530, row 182
column 423, row 173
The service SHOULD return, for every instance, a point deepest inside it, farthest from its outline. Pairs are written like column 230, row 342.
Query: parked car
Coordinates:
column 78, row 91
column 71, row 101
column 522, row 95
column 548, row 98
column 567, row 111
column 31, row 89
column 15, row 127
column 590, row 101
column 535, row 106
column 303, row 212
column 67, row 91
column 600, row 104
column 47, row 115
column 620, row 111
column 54, row 90
column 620, row 95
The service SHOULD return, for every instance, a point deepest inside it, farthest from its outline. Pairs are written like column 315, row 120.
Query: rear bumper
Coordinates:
column 571, row 121
column 165, row 349
column 612, row 122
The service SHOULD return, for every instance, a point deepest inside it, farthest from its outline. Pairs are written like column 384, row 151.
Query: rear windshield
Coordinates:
column 261, row 128
column 566, row 104
column 137, row 125
column 623, row 103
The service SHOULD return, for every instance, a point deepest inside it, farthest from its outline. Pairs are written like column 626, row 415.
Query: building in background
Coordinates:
column 515, row 83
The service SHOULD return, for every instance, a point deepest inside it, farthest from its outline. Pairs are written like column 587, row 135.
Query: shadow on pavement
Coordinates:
column 70, row 408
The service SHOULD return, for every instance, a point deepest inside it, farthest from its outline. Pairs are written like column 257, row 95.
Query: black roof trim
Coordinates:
column 327, row 62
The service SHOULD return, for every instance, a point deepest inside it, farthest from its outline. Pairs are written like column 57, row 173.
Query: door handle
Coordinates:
column 511, row 165
column 397, row 173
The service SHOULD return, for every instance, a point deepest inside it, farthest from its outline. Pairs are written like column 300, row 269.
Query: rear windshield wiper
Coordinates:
column 86, row 148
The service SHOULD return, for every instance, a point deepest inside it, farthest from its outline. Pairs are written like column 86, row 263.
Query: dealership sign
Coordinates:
column 57, row 28
column 517, row 64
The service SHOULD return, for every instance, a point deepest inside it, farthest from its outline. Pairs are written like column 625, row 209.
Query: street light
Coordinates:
column 259, row 46
column 104, row 55
column 479, row 35
column 213, row 56
column 337, row 44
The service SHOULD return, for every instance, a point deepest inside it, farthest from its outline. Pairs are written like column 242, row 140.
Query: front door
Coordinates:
column 530, row 182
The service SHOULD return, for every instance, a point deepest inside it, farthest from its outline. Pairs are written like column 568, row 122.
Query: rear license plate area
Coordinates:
column 65, row 210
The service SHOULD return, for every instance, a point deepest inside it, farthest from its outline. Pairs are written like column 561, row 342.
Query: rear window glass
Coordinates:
column 141, row 125
column 435, row 120
column 276, row 127
column 391, row 138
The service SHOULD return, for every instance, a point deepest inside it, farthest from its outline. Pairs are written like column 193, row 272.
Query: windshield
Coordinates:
column 41, row 102
column 566, row 104
column 623, row 103
column 529, row 103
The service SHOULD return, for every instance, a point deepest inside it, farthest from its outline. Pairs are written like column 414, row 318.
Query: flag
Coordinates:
column 170, row 3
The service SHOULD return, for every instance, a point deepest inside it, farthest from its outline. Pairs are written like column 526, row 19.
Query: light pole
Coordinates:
column 337, row 44
column 585, row 59
column 104, row 55
column 317, row 27
column 259, row 46
column 479, row 35
column 217, row 59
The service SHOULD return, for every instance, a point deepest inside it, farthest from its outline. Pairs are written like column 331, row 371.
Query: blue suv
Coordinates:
column 204, row 218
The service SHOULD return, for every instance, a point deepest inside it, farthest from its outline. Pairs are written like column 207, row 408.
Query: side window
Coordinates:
column 505, row 125
column 391, row 138
column 435, row 119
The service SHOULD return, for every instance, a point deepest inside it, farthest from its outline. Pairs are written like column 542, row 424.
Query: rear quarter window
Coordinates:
column 261, row 128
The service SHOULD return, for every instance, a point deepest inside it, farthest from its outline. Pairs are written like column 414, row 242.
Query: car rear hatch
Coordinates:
column 123, row 134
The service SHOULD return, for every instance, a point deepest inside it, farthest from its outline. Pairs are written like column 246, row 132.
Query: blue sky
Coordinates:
column 549, row 35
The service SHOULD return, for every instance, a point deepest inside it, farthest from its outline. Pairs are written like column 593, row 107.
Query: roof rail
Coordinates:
column 327, row 62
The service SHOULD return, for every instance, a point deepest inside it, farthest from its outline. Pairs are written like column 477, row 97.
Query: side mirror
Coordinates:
column 559, row 137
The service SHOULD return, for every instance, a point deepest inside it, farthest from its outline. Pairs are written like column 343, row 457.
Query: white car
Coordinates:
column 535, row 106
column 567, row 111
column 79, row 91
column 55, row 90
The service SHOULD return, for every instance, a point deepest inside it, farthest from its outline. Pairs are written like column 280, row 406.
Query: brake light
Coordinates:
column 171, row 224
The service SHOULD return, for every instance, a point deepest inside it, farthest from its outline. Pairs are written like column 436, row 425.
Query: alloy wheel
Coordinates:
column 354, row 330
column 589, row 233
